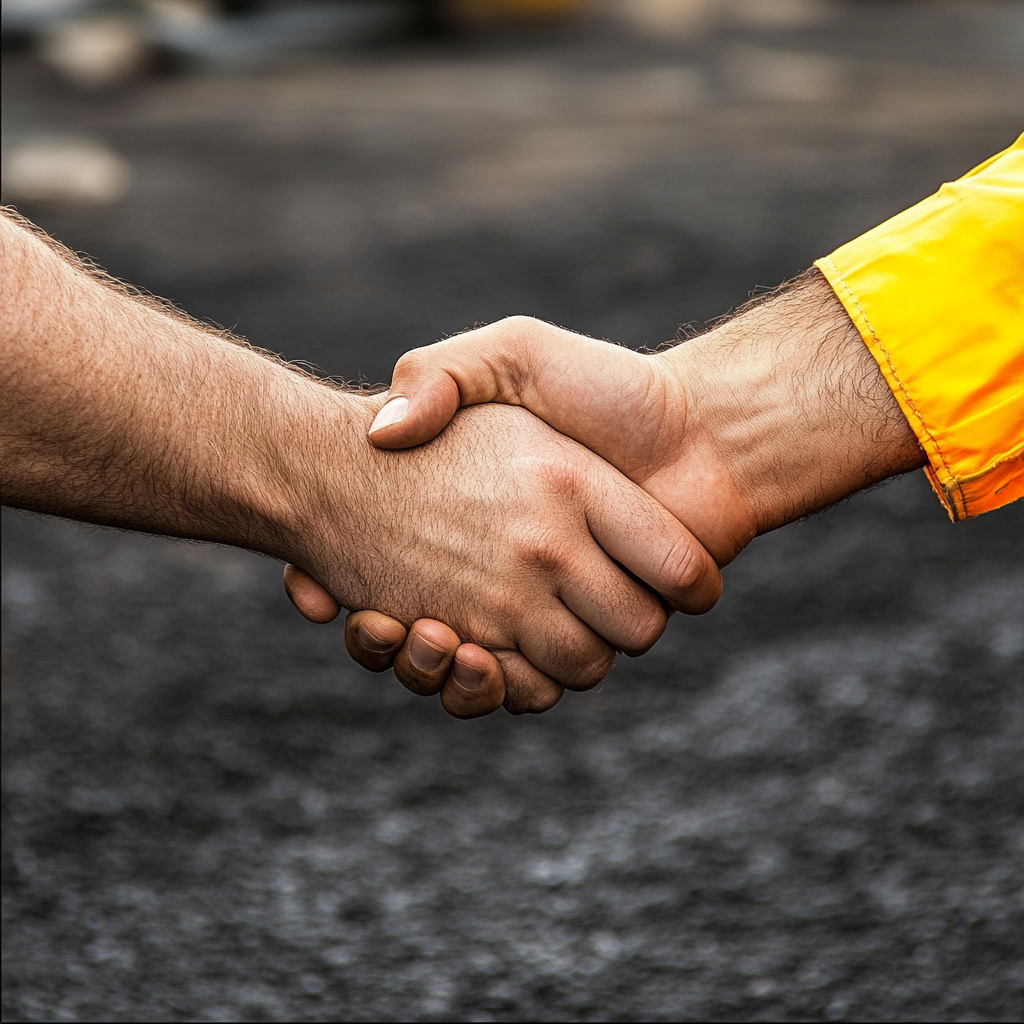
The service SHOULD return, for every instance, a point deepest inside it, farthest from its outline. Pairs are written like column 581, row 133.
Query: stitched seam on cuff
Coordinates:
column 917, row 412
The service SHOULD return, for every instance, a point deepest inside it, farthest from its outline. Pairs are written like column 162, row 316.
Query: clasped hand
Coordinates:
column 510, row 552
column 627, row 408
column 776, row 413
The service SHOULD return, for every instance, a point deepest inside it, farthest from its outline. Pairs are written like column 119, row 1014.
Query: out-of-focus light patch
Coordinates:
column 685, row 19
column 195, row 31
column 79, row 171
column 779, row 14
column 30, row 15
column 762, row 988
column 96, row 53
column 680, row 19
column 774, row 75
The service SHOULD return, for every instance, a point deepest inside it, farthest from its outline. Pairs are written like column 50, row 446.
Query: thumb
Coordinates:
column 490, row 364
column 308, row 596
column 422, row 400
column 569, row 381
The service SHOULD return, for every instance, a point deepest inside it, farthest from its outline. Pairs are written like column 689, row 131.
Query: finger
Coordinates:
column 308, row 596
column 476, row 685
column 527, row 690
column 436, row 398
column 650, row 542
column 563, row 648
column 568, row 380
column 429, row 384
column 373, row 639
column 628, row 615
column 423, row 663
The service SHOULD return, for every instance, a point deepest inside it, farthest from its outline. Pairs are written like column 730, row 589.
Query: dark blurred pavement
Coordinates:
column 806, row 805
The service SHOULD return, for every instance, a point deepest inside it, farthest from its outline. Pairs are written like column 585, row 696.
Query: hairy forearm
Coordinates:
column 787, row 400
column 116, row 412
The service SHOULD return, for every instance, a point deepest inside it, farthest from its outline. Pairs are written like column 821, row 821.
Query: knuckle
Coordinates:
column 557, row 472
column 593, row 672
column 521, row 338
column 409, row 361
column 520, row 323
column 541, row 549
column 683, row 564
column 645, row 630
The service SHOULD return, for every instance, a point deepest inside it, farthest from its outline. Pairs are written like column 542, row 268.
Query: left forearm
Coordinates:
column 117, row 413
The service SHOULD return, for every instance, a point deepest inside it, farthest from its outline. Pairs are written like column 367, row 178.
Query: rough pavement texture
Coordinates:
column 806, row 805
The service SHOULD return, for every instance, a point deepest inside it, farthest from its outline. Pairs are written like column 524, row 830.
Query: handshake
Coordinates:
column 528, row 545
column 509, row 553
column 499, row 554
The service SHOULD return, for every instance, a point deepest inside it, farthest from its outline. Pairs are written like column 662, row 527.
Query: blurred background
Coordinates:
column 806, row 805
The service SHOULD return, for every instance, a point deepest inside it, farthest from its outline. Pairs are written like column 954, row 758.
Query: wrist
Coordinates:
column 116, row 413
column 325, row 509
column 704, row 486
column 789, row 403
column 311, row 473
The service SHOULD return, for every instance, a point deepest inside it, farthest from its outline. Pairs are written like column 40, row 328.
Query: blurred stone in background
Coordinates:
column 805, row 805
column 96, row 52
column 64, row 170
column 96, row 44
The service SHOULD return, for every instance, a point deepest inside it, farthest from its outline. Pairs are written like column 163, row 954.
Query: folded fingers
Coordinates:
column 429, row 659
column 650, row 542
column 476, row 684
column 373, row 640
column 528, row 691
column 312, row 600
column 425, row 659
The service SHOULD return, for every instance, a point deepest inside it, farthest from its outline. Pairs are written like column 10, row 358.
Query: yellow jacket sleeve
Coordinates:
column 937, row 293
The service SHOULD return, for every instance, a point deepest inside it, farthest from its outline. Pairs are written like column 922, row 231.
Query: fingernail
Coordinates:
column 425, row 657
column 373, row 643
column 466, row 676
column 393, row 412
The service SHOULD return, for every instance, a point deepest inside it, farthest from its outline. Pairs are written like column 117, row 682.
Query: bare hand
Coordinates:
column 508, row 533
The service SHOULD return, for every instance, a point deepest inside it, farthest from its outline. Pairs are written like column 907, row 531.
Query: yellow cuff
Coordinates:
column 937, row 294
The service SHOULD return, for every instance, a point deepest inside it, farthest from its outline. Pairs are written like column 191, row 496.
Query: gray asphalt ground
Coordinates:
column 806, row 805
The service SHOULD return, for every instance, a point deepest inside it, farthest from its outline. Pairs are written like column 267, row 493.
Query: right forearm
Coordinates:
column 118, row 413
column 789, row 401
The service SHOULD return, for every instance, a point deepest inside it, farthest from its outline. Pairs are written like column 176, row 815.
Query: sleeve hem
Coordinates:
column 947, row 487
column 999, row 485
